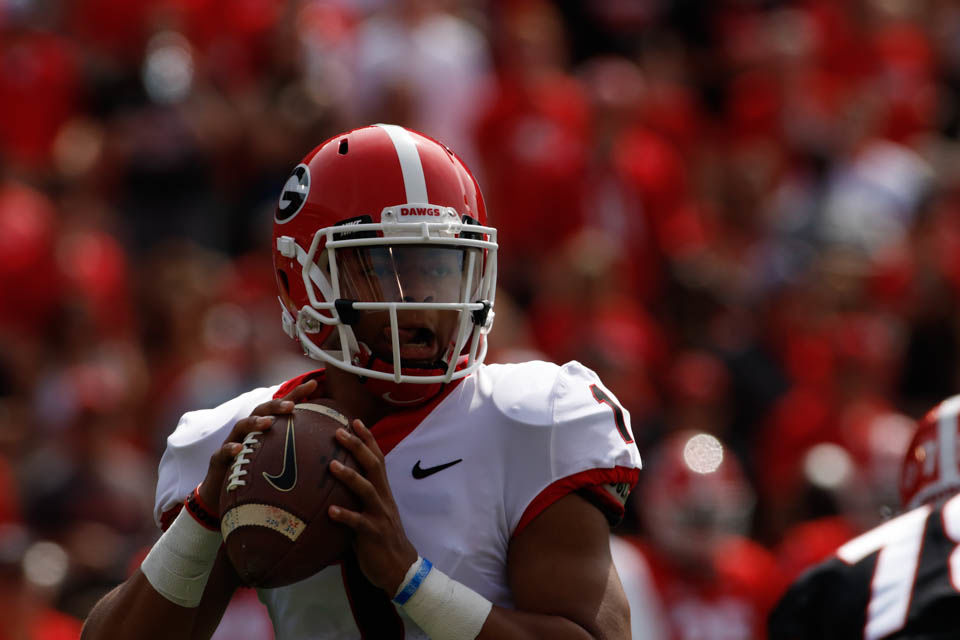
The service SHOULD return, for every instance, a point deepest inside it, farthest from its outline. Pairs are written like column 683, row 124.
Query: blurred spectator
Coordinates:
column 30, row 282
column 533, row 142
column 31, row 571
column 847, row 488
column 421, row 63
column 698, row 394
column 9, row 500
column 40, row 85
column 696, row 505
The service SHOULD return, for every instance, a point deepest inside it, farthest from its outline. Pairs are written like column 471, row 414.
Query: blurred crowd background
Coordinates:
column 743, row 214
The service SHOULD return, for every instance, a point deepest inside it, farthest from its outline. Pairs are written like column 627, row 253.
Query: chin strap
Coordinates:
column 403, row 394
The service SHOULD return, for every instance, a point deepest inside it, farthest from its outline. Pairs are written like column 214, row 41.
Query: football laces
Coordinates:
column 237, row 470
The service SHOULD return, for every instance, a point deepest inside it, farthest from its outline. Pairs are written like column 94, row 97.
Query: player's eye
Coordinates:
column 439, row 271
column 378, row 268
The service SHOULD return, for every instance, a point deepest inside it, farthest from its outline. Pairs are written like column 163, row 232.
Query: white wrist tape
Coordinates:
column 179, row 564
column 444, row 608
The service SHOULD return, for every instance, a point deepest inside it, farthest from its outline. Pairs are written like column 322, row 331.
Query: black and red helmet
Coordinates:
column 931, row 467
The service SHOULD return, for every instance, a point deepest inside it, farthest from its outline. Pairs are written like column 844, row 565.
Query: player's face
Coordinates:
column 407, row 273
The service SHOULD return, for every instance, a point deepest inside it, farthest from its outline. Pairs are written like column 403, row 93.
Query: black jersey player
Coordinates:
column 900, row 580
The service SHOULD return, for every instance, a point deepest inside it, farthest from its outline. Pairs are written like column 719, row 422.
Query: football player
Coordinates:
column 487, row 489
column 713, row 582
column 901, row 579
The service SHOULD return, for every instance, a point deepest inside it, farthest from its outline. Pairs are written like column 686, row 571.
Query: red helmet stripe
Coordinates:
column 947, row 437
column 410, row 166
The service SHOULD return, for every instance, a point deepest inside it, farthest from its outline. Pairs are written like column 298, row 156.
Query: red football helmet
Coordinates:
column 931, row 469
column 384, row 221
column 695, row 496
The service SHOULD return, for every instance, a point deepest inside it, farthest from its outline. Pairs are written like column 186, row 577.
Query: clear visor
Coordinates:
column 409, row 273
column 424, row 296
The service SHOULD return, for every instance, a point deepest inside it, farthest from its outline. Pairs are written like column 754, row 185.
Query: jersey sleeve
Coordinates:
column 570, row 434
column 197, row 436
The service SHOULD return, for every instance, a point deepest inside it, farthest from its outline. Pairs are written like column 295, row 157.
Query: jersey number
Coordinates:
column 899, row 542
column 602, row 397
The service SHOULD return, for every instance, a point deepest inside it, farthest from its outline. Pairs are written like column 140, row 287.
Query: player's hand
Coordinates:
column 261, row 419
column 383, row 550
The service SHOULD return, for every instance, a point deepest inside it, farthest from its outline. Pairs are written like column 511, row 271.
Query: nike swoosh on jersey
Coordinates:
column 287, row 479
column 419, row 473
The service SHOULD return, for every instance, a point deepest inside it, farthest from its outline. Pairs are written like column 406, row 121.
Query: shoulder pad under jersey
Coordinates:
column 198, row 434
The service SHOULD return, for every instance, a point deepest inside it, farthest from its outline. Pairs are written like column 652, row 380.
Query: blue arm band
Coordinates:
column 411, row 587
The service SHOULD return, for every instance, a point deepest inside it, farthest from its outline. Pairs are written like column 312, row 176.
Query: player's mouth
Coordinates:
column 417, row 343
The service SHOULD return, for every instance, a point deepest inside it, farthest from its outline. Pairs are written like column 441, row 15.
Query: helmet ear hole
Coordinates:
column 285, row 298
column 344, row 147
column 284, row 281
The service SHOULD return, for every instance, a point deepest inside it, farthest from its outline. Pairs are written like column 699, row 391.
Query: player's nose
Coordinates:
column 418, row 288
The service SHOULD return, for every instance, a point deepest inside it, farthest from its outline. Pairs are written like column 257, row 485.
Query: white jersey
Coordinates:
column 647, row 617
column 468, row 472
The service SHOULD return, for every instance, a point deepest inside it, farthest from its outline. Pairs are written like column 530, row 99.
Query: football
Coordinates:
column 274, row 500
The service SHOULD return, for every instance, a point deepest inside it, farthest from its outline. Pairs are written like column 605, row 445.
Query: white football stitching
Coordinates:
column 236, row 469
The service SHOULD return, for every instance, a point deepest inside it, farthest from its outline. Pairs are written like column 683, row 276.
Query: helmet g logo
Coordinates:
column 294, row 194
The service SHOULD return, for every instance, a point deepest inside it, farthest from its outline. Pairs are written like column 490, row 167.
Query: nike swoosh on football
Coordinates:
column 419, row 473
column 287, row 479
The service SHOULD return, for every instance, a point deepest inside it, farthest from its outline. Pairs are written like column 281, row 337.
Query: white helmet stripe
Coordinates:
column 947, row 439
column 413, row 179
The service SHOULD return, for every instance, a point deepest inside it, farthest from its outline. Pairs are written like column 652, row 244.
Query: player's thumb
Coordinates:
column 220, row 461
column 224, row 457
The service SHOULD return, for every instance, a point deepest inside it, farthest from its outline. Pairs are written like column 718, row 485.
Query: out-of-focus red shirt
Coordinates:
column 39, row 92
column 729, row 600
column 51, row 625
